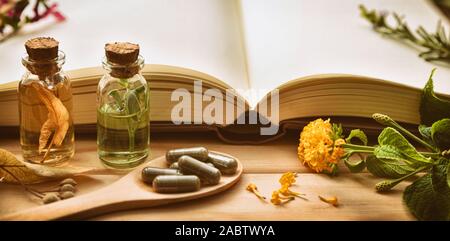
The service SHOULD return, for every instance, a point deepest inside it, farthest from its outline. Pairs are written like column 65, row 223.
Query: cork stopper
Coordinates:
column 122, row 53
column 42, row 48
column 124, row 56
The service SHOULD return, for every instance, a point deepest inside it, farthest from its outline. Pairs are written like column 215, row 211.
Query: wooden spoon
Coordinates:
column 129, row 192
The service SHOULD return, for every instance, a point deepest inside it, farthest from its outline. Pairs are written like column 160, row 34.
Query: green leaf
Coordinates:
column 133, row 106
column 355, row 167
column 387, row 168
column 448, row 174
column 117, row 98
column 359, row 134
column 139, row 90
column 432, row 108
column 389, row 152
column 440, row 134
column 439, row 176
column 425, row 131
column 390, row 136
column 425, row 201
column 336, row 130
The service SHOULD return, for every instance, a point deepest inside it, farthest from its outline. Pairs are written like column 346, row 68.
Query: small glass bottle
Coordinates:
column 45, row 105
column 122, row 108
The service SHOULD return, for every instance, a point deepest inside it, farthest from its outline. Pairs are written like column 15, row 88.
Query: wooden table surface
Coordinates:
column 263, row 165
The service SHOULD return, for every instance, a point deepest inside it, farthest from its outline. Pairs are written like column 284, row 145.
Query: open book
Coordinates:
column 324, row 59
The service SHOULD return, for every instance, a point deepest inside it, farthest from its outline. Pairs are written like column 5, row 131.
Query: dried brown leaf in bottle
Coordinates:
column 46, row 132
column 57, row 114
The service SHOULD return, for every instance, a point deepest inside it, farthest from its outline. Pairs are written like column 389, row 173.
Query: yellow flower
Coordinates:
column 319, row 146
column 288, row 178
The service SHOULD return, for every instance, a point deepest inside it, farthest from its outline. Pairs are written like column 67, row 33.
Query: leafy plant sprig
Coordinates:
column 132, row 106
column 395, row 158
column 434, row 46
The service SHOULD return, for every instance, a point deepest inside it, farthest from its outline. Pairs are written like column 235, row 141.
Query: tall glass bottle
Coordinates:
column 45, row 105
column 122, row 108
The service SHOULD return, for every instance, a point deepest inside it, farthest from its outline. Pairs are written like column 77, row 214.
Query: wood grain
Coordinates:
column 355, row 192
column 129, row 192
column 263, row 165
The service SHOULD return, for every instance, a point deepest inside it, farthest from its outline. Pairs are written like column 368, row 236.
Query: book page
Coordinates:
column 203, row 35
column 288, row 39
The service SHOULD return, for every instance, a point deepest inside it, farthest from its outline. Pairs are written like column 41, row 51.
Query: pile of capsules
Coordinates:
column 189, row 169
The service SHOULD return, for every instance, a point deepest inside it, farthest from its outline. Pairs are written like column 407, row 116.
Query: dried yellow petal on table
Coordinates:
column 254, row 189
column 278, row 199
column 284, row 190
column 331, row 200
column 288, row 178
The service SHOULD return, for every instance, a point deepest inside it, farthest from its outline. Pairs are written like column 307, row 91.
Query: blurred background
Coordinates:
column 205, row 35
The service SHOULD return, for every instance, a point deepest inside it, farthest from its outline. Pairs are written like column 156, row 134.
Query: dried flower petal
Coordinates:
column 252, row 188
column 285, row 191
column 331, row 200
column 288, row 178
column 277, row 199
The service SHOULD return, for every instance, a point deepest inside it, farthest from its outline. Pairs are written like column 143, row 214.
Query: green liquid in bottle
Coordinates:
column 123, row 128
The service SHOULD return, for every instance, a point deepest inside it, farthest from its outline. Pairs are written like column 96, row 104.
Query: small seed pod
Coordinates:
column 68, row 181
column 385, row 185
column 66, row 195
column 50, row 197
column 67, row 188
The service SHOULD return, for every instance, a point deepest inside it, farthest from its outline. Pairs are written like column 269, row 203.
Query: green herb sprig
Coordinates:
column 134, row 108
column 433, row 46
column 395, row 158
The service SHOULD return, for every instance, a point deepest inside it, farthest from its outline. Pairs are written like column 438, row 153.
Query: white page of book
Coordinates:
column 288, row 39
column 203, row 35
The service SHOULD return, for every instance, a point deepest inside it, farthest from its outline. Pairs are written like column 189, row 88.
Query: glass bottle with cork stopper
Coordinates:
column 45, row 104
column 122, row 108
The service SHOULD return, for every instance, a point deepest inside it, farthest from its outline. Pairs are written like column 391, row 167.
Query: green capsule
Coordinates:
column 174, row 165
column 175, row 184
column 149, row 173
column 192, row 166
column 199, row 153
column 226, row 164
